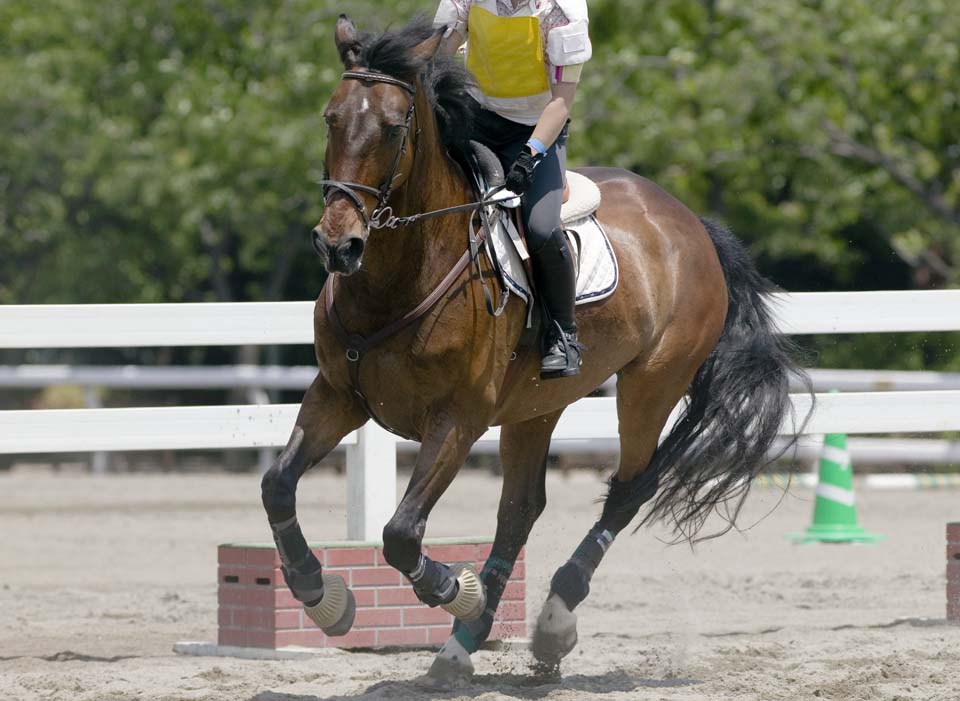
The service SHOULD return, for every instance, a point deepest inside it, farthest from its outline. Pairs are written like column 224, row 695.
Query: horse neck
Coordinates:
column 402, row 266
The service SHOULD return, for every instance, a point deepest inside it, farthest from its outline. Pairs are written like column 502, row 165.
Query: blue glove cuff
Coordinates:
column 537, row 145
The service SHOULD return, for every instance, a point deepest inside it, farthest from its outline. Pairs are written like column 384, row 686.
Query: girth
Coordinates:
column 358, row 346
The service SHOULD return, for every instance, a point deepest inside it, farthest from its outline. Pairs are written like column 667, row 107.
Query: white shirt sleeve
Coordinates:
column 453, row 14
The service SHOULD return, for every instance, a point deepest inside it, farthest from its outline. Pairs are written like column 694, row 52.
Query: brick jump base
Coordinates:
column 256, row 610
column 953, row 572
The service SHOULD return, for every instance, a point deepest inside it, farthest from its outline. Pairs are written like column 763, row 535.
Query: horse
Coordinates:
column 403, row 336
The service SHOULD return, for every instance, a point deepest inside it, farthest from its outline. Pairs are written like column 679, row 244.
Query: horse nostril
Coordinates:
column 351, row 249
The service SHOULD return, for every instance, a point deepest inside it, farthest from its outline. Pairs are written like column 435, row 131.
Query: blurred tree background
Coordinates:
column 167, row 151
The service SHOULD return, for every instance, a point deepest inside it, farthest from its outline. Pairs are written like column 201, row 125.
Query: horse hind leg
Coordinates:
column 324, row 419
column 523, row 454
column 644, row 403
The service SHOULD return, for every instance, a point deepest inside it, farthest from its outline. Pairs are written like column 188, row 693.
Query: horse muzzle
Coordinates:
column 342, row 257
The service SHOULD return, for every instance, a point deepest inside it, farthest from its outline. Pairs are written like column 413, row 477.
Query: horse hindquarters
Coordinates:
column 739, row 402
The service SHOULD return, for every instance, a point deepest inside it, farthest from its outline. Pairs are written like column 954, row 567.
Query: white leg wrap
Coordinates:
column 471, row 600
column 334, row 607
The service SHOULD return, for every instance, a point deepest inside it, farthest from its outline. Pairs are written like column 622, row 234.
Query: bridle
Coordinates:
column 376, row 219
column 382, row 216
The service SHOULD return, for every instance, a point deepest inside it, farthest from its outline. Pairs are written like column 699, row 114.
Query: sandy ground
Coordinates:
column 99, row 577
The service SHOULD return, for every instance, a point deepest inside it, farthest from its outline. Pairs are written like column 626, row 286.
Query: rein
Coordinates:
column 382, row 217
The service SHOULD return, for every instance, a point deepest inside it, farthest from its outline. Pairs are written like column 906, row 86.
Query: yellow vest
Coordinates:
column 507, row 59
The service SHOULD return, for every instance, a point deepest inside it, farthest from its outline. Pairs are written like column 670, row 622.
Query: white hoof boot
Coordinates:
column 471, row 599
column 452, row 662
column 336, row 610
column 556, row 632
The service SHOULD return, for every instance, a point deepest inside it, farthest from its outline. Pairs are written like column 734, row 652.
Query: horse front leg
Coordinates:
column 325, row 417
column 457, row 589
column 523, row 454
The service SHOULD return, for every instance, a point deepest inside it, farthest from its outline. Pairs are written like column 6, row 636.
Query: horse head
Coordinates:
column 371, row 141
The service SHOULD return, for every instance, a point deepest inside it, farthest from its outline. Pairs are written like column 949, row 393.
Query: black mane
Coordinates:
column 444, row 78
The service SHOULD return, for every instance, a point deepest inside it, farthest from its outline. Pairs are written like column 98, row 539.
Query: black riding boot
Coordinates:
column 556, row 284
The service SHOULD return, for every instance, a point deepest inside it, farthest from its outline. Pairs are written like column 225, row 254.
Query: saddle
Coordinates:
column 595, row 261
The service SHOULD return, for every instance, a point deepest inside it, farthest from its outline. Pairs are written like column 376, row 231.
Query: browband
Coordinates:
column 377, row 77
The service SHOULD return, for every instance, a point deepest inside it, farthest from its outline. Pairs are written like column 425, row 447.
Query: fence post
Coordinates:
column 371, row 482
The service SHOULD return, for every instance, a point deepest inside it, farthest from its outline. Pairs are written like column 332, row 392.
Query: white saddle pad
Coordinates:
column 596, row 263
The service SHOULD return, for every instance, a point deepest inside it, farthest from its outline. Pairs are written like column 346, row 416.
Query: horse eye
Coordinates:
column 393, row 130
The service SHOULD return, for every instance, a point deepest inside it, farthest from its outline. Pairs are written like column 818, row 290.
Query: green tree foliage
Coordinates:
column 167, row 151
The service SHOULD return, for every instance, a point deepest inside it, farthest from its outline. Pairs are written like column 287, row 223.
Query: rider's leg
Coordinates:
column 552, row 262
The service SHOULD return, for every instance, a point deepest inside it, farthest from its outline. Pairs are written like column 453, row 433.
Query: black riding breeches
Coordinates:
column 541, row 203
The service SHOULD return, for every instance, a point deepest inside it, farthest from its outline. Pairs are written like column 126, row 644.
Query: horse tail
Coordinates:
column 737, row 403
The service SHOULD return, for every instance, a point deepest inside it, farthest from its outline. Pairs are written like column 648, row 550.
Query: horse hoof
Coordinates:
column 471, row 600
column 452, row 663
column 556, row 632
column 335, row 613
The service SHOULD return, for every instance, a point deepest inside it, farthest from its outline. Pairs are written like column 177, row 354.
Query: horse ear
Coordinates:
column 428, row 48
column 348, row 41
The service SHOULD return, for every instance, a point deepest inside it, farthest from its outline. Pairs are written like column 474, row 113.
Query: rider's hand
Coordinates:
column 520, row 176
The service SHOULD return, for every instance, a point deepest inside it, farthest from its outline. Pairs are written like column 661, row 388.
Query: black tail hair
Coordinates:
column 738, row 401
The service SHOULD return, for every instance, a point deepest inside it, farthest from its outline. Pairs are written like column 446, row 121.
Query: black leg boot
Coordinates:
column 556, row 283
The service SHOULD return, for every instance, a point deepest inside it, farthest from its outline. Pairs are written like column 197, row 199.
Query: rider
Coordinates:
column 526, row 57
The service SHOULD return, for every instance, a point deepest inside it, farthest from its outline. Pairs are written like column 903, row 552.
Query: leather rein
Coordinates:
column 382, row 217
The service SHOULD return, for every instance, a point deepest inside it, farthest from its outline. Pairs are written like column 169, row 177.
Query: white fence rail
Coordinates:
column 371, row 452
column 274, row 323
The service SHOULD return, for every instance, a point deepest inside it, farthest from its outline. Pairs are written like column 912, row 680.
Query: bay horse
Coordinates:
column 688, row 319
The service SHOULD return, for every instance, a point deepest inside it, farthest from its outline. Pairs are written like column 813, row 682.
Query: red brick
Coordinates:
column 262, row 557
column 396, row 596
column 953, row 531
column 261, row 638
column 258, row 618
column 438, row 635
column 519, row 572
column 231, row 636
column 484, row 550
column 225, row 616
column 425, row 616
column 230, row 596
column 252, row 574
column 283, row 598
column 378, row 618
column 512, row 611
column 345, row 572
column 259, row 597
column 365, row 598
column 522, row 555
column 514, row 591
column 366, row 637
column 286, row 619
column 953, row 551
column 506, row 631
column 228, row 555
column 338, row 557
column 225, row 571
column 311, row 637
column 402, row 636
column 453, row 553
column 367, row 576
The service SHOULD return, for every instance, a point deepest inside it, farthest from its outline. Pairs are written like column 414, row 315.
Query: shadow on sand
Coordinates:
column 512, row 686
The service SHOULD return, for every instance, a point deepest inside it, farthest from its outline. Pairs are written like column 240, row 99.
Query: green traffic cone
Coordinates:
column 835, row 511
